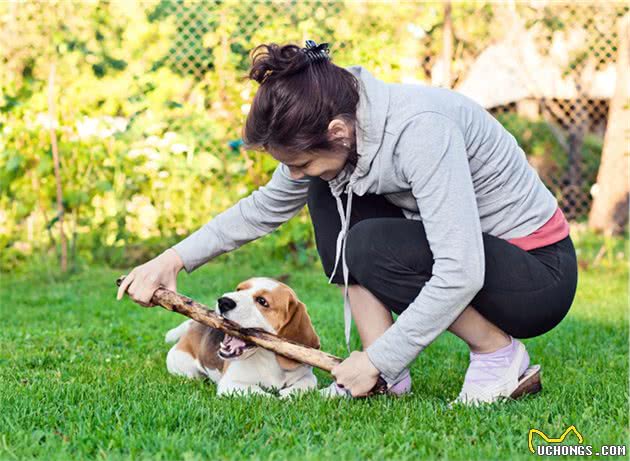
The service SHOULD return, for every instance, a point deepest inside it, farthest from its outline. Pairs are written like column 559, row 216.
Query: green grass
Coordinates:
column 83, row 377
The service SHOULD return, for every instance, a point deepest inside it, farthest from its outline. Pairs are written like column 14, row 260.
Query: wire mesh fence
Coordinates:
column 540, row 64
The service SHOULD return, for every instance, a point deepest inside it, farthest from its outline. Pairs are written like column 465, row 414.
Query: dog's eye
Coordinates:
column 262, row 301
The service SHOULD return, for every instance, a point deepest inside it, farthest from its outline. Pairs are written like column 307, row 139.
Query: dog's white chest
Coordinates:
column 262, row 367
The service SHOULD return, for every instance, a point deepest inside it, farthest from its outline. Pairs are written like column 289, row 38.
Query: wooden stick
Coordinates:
column 184, row 305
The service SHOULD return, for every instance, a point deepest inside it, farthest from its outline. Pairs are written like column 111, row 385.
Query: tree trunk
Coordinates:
column 447, row 44
column 609, row 212
column 55, row 152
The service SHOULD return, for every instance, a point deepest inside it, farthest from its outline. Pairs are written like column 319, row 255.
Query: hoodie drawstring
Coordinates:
column 341, row 250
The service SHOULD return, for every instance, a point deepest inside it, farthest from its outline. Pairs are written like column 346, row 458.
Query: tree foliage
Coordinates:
column 150, row 99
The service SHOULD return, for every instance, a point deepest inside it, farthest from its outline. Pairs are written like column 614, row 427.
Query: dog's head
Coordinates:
column 265, row 303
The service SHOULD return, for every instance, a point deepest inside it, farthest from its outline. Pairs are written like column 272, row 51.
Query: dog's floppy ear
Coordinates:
column 298, row 329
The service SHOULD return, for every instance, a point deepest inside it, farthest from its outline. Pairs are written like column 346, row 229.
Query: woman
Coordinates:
column 422, row 204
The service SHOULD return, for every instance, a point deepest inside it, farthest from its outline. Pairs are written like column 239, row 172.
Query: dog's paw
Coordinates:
column 288, row 392
column 243, row 392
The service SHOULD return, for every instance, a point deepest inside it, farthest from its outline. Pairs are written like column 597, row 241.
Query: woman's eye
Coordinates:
column 262, row 301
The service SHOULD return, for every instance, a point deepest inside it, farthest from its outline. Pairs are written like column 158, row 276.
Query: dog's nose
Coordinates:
column 226, row 304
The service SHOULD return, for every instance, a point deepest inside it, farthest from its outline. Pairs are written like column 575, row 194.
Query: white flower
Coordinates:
column 151, row 165
column 134, row 153
column 416, row 31
column 86, row 127
column 153, row 154
column 153, row 141
column 102, row 127
column 144, row 216
column 118, row 124
column 43, row 119
column 105, row 133
column 168, row 139
column 179, row 148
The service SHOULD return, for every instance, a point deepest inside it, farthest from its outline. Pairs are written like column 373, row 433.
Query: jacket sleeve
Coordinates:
column 433, row 158
column 250, row 218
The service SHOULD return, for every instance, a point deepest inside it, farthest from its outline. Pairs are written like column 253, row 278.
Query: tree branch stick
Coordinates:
column 175, row 302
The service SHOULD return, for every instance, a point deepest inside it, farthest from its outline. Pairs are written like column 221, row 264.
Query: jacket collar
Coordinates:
column 371, row 116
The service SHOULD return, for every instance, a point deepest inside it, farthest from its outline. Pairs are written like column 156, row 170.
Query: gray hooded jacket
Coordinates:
column 440, row 157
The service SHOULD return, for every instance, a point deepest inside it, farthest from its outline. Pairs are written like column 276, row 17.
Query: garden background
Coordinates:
column 148, row 100
column 120, row 128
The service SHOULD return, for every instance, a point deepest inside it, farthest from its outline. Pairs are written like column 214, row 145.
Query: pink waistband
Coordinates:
column 551, row 232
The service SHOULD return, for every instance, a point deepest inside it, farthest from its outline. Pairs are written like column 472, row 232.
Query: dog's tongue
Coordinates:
column 233, row 341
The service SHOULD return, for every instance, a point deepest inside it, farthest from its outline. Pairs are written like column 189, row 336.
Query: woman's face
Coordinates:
column 323, row 164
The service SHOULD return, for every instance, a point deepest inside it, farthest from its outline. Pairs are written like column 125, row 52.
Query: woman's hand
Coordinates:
column 143, row 280
column 356, row 373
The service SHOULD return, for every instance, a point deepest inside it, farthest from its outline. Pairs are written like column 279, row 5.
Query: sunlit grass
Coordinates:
column 83, row 376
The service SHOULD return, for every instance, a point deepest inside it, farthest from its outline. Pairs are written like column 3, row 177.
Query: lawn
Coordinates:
column 83, row 377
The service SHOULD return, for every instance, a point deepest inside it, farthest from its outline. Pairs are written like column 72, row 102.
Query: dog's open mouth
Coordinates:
column 232, row 347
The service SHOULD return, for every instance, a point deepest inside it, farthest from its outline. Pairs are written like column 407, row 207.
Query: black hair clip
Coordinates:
column 315, row 52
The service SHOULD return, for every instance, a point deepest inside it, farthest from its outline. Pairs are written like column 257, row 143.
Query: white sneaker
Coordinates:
column 508, row 385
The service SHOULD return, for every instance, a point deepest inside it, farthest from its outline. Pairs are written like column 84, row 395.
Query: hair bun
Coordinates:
column 278, row 61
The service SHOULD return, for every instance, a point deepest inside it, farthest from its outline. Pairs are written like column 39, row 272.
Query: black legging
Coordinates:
column 525, row 293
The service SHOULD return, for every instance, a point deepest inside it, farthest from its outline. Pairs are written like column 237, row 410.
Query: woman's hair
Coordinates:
column 297, row 99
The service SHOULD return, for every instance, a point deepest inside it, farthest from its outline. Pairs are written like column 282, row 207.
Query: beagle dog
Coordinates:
column 238, row 367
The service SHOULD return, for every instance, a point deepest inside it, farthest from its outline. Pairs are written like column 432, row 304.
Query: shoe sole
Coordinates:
column 529, row 382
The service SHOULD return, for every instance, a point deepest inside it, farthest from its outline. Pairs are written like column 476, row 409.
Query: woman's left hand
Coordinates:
column 356, row 374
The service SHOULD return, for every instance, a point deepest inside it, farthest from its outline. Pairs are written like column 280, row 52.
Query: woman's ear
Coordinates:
column 338, row 130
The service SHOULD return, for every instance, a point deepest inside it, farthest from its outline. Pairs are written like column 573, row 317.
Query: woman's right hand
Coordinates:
column 143, row 280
